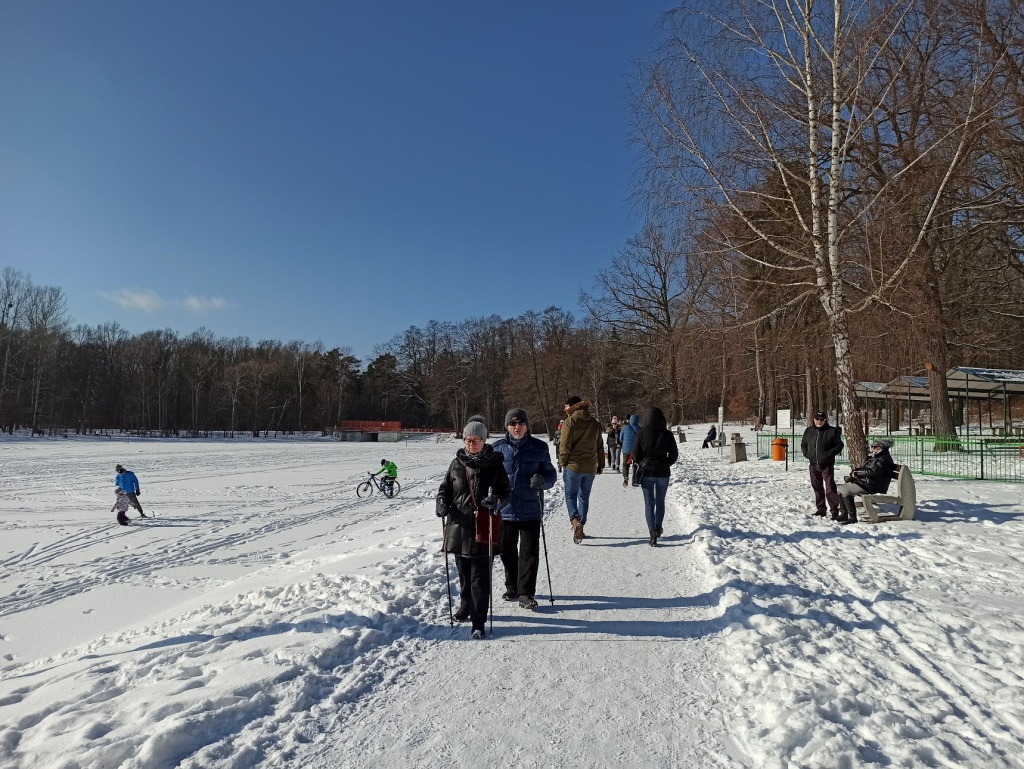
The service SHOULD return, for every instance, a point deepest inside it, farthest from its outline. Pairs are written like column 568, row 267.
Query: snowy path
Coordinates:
column 620, row 671
column 269, row 618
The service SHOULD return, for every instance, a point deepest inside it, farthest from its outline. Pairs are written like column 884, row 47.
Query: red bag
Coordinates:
column 488, row 527
column 487, row 524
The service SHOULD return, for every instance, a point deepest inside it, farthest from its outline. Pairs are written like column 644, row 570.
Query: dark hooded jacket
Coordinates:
column 875, row 474
column 485, row 474
column 655, row 447
column 524, row 459
column 821, row 445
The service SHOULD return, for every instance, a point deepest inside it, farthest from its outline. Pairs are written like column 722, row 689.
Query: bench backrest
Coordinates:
column 905, row 488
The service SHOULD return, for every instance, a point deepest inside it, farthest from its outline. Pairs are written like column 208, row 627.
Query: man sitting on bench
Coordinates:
column 872, row 478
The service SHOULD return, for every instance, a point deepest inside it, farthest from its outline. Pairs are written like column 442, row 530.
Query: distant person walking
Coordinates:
column 476, row 480
column 126, row 481
column 627, row 438
column 581, row 456
column 530, row 472
column 709, row 439
column 655, row 451
column 614, row 449
column 821, row 444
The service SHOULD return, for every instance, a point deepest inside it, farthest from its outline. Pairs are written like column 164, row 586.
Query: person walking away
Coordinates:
column 126, row 480
column 614, row 450
column 709, row 439
column 390, row 470
column 872, row 477
column 528, row 466
column 121, row 504
column 558, row 439
column 655, row 451
column 821, row 444
column 476, row 479
column 627, row 437
column 581, row 456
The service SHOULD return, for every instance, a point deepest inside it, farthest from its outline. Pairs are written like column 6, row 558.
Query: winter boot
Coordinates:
column 527, row 602
column 509, row 594
column 654, row 538
column 819, row 513
column 577, row 531
column 478, row 634
column 462, row 614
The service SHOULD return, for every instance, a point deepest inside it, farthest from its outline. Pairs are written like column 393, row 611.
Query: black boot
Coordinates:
column 849, row 505
column 654, row 538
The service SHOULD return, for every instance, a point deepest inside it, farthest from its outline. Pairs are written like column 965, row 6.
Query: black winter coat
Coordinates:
column 821, row 445
column 485, row 474
column 875, row 474
column 655, row 446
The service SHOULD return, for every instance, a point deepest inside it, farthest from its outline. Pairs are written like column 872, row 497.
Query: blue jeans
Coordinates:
column 577, row 493
column 654, row 501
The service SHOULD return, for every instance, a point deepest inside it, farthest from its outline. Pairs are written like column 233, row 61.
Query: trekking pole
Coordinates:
column 547, row 566
column 447, row 575
column 490, row 566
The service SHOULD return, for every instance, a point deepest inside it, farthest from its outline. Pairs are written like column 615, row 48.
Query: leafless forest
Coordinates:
column 832, row 193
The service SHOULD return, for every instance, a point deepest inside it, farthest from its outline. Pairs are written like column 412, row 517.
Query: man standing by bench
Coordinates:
column 821, row 444
column 871, row 478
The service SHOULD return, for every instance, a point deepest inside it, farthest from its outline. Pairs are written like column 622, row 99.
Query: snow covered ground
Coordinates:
column 268, row 617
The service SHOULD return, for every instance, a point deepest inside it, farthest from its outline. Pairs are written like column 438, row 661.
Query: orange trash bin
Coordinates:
column 779, row 448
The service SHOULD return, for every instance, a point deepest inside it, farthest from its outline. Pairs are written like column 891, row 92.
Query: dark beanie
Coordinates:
column 572, row 400
column 515, row 415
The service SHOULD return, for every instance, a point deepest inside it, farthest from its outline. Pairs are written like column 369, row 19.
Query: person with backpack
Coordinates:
column 127, row 482
column 476, row 482
column 627, row 437
column 581, row 455
column 821, row 444
column 654, row 453
column 530, row 473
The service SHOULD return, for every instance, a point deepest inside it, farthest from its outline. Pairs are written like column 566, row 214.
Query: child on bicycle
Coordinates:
column 390, row 470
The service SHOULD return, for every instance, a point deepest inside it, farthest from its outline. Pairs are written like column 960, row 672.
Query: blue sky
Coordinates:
column 317, row 170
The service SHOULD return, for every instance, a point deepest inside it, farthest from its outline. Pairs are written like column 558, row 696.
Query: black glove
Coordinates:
column 537, row 482
column 442, row 509
column 847, row 479
column 137, row 493
column 490, row 502
column 599, row 471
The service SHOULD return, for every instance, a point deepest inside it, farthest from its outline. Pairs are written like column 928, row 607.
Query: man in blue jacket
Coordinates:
column 129, row 484
column 627, row 436
column 529, row 468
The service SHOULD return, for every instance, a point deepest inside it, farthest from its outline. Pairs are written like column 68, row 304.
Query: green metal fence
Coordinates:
column 973, row 457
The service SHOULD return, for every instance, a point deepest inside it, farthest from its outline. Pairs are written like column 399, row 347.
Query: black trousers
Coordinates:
column 134, row 500
column 475, row 587
column 520, row 555
column 823, row 481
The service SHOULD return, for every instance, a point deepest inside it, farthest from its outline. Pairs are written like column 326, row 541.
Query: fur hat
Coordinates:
column 515, row 415
column 475, row 427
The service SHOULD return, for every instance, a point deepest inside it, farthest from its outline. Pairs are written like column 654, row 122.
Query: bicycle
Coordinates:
column 387, row 488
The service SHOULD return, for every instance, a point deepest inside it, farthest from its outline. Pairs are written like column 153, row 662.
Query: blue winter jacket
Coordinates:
column 522, row 462
column 628, row 435
column 127, row 481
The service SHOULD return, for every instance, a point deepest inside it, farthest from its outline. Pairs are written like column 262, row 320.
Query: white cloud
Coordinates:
column 136, row 299
column 204, row 303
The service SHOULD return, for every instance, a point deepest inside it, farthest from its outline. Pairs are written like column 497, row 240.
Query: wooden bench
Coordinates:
column 906, row 498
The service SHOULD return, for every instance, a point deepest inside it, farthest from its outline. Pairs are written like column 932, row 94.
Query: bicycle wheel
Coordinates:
column 364, row 489
column 395, row 488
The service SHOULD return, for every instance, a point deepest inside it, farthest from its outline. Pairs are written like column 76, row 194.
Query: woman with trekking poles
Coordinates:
column 530, row 473
column 469, row 503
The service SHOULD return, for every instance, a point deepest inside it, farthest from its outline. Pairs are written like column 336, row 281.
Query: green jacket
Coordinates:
column 390, row 470
column 581, row 448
